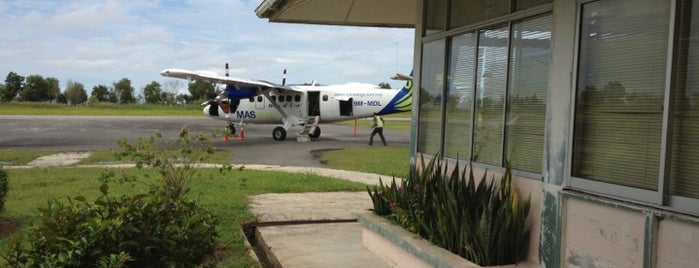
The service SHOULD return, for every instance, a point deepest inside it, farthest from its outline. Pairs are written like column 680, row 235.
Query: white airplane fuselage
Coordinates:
column 330, row 103
column 261, row 102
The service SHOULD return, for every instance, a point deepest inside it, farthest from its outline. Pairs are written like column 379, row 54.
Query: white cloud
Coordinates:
column 98, row 42
column 89, row 19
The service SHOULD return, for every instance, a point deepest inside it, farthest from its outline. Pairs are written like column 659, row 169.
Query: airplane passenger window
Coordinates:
column 259, row 98
column 274, row 98
column 297, row 98
column 281, row 98
column 325, row 97
column 252, row 99
column 288, row 98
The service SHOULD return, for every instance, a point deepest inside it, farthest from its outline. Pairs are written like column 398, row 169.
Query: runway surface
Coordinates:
column 88, row 133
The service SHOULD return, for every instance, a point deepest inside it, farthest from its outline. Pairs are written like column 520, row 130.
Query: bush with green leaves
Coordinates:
column 160, row 228
column 480, row 222
column 4, row 187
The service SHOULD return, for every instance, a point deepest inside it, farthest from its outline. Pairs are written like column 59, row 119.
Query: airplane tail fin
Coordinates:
column 403, row 101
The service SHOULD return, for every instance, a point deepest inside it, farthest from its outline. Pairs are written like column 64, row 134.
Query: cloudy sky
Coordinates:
column 100, row 42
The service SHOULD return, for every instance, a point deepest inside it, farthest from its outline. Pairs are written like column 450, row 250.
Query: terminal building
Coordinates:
column 593, row 103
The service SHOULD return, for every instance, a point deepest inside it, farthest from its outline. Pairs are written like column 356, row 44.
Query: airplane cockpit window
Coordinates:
column 297, row 98
column 288, row 98
column 325, row 97
column 259, row 98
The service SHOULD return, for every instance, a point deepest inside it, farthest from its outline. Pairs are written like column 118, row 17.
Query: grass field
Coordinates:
column 18, row 158
column 389, row 124
column 99, row 109
column 389, row 161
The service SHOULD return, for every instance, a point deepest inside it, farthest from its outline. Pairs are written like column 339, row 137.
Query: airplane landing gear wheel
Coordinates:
column 315, row 134
column 279, row 134
column 231, row 127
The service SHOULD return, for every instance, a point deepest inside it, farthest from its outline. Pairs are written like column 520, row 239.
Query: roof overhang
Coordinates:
column 376, row 13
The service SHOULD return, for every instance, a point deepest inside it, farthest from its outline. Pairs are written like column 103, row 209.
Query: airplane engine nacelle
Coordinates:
column 211, row 109
column 240, row 93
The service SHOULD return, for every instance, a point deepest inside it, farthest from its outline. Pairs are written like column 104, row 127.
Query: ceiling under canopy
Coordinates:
column 376, row 13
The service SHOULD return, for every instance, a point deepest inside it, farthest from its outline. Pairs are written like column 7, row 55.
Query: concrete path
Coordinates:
column 326, row 244
column 325, row 232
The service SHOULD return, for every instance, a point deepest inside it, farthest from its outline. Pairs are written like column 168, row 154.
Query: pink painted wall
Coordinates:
column 601, row 236
column 678, row 244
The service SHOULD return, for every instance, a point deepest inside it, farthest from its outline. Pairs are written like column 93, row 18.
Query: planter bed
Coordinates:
column 400, row 248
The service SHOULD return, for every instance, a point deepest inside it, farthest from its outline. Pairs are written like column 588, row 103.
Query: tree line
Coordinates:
column 36, row 88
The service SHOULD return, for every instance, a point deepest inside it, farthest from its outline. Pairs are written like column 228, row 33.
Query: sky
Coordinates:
column 102, row 41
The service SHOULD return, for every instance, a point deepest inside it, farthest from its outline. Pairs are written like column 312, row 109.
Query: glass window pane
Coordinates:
column 431, row 90
column 465, row 12
column 526, row 117
column 462, row 62
column 435, row 16
column 621, row 84
column 524, row 4
column 684, row 179
column 491, row 75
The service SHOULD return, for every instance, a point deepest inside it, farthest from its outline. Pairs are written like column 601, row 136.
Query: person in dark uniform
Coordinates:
column 378, row 129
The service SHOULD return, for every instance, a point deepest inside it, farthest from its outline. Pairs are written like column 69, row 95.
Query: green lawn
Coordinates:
column 401, row 122
column 20, row 157
column 23, row 108
column 390, row 161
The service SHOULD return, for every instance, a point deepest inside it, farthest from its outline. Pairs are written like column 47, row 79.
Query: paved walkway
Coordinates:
column 326, row 244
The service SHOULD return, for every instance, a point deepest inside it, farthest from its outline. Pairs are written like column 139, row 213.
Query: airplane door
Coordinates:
column 346, row 107
column 329, row 106
column 313, row 103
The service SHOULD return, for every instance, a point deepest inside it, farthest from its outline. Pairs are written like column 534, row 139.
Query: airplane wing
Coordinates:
column 214, row 78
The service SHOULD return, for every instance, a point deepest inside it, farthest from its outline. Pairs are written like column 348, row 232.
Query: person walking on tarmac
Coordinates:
column 378, row 129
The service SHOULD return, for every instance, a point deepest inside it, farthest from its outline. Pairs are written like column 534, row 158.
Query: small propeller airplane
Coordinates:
column 307, row 105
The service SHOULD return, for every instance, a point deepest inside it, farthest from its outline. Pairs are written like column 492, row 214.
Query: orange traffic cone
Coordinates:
column 225, row 134
column 242, row 133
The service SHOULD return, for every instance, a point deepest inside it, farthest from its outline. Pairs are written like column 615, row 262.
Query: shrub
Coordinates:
column 480, row 222
column 161, row 228
column 4, row 187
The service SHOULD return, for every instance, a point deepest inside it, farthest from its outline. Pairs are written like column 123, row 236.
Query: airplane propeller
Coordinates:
column 219, row 91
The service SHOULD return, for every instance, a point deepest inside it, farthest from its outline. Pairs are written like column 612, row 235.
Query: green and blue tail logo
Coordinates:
column 403, row 101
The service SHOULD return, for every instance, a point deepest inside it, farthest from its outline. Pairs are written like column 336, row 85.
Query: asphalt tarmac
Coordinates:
column 89, row 133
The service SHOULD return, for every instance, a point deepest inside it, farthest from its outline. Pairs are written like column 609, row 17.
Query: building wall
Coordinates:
column 677, row 243
column 578, row 225
column 602, row 236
